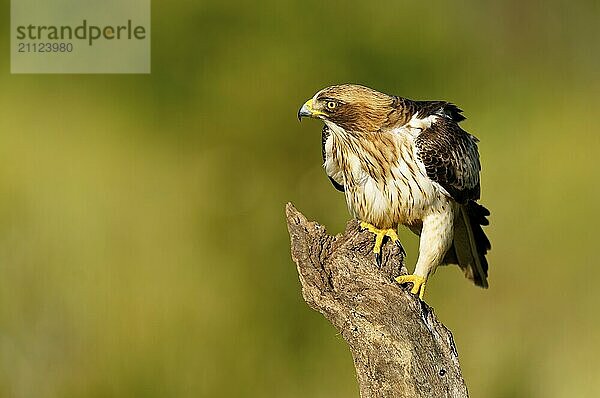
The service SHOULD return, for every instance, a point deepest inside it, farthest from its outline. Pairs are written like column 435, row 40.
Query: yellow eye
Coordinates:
column 331, row 105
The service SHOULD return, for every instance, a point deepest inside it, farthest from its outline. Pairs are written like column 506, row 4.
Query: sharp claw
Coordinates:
column 378, row 259
column 401, row 248
column 381, row 236
column 418, row 282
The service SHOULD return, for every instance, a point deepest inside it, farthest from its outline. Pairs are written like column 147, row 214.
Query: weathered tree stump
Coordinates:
column 399, row 347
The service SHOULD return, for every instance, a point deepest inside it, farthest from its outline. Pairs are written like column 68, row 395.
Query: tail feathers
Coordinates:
column 470, row 243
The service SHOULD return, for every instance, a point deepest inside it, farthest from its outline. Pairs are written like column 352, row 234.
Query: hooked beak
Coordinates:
column 308, row 111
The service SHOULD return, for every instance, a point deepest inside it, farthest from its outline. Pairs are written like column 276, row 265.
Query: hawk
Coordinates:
column 405, row 162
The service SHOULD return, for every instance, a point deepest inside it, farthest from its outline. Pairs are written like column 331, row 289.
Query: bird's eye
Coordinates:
column 331, row 105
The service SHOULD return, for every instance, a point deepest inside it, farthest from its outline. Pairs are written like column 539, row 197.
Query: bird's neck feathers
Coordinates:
column 363, row 151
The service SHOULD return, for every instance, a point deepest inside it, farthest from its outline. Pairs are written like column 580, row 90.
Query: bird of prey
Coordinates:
column 400, row 161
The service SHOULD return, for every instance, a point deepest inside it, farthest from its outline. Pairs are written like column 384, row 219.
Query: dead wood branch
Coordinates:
column 399, row 347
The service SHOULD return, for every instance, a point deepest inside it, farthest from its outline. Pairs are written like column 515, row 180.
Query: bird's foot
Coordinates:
column 417, row 281
column 380, row 234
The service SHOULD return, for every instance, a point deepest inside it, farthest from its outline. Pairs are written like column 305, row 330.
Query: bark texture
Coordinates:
column 399, row 347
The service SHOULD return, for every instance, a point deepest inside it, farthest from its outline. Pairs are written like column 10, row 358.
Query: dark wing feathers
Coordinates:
column 451, row 159
column 440, row 108
column 324, row 135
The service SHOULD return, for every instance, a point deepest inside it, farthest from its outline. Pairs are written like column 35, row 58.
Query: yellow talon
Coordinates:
column 379, row 235
column 417, row 281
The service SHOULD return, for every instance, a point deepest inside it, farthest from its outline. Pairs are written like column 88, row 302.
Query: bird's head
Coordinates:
column 350, row 107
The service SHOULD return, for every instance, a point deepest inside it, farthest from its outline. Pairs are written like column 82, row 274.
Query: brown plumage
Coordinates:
column 406, row 162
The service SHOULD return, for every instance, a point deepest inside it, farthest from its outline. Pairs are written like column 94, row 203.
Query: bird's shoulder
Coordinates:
column 446, row 110
column 404, row 110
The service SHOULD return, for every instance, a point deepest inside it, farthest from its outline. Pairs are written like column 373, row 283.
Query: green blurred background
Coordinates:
column 143, row 248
